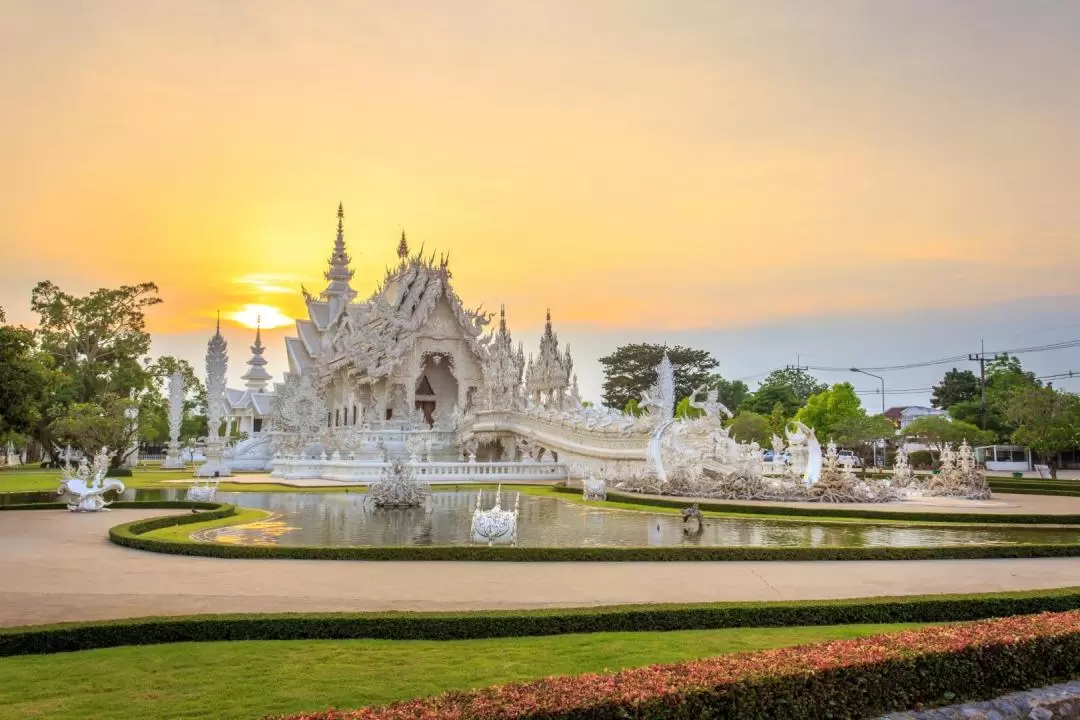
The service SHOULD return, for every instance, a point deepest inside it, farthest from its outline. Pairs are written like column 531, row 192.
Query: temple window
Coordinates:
column 353, row 414
column 337, row 417
column 256, row 425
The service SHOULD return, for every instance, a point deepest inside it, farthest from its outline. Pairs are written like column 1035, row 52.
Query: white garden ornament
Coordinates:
column 495, row 526
column 86, row 485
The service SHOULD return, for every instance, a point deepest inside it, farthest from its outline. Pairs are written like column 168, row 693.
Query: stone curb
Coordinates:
column 1056, row 702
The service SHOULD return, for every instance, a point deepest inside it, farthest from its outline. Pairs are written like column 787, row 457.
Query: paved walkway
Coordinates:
column 57, row 566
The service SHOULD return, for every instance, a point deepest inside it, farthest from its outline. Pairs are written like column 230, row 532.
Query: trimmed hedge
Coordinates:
column 70, row 637
column 132, row 535
column 827, row 510
column 841, row 679
column 136, row 505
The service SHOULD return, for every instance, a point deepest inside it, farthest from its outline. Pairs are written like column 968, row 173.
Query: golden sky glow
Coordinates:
column 630, row 164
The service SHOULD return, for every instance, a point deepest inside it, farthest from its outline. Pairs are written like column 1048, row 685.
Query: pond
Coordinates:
column 344, row 519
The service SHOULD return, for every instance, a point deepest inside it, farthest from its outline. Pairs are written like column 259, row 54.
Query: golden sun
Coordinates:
column 267, row 316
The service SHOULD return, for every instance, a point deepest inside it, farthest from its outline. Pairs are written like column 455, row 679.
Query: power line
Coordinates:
column 1065, row 345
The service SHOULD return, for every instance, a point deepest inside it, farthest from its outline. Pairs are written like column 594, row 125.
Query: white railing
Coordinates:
column 392, row 436
column 294, row 467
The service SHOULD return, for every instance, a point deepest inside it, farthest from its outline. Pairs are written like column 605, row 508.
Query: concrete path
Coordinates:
column 57, row 566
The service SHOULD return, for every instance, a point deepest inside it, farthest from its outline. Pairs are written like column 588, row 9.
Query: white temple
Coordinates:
column 411, row 375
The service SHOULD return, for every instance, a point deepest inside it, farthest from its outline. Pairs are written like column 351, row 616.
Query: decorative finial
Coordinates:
column 218, row 322
column 403, row 247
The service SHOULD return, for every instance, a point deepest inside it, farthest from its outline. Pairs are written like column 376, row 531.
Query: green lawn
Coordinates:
column 246, row 680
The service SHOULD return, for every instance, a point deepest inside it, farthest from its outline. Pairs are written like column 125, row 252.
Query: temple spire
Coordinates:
column 403, row 247
column 257, row 377
column 339, row 273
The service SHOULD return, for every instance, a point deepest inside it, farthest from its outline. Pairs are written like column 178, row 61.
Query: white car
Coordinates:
column 849, row 458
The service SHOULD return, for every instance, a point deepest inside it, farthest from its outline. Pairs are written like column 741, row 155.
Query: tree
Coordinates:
column 731, row 392
column 956, row 386
column 789, row 387
column 1047, row 420
column 827, row 410
column 683, row 409
column 631, row 370
column 631, row 408
column 91, row 426
column 97, row 340
column 937, row 431
column 750, row 426
column 862, row 432
column 27, row 382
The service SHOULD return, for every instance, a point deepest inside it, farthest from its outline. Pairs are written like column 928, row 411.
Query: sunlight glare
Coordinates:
column 268, row 315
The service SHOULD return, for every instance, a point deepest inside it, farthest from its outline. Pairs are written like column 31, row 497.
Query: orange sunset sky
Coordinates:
column 645, row 169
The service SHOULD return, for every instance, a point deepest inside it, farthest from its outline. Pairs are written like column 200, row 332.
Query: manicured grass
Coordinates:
column 250, row 679
column 37, row 479
column 180, row 533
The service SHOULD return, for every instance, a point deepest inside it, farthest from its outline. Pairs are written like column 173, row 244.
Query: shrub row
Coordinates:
column 136, row 505
column 492, row 624
column 841, row 679
column 132, row 535
column 826, row 510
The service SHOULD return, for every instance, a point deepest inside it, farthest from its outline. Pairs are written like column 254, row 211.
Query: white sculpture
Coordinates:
column 714, row 410
column 87, row 484
column 397, row 487
column 959, row 476
column 202, row 490
column 805, row 452
column 902, row 476
column 594, row 488
column 495, row 525
column 217, row 361
column 172, row 459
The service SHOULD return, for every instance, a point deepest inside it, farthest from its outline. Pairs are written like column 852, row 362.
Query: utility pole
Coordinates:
column 798, row 373
column 981, row 358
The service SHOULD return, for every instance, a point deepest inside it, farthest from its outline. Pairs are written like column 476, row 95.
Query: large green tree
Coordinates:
column 789, row 387
column 1047, row 421
column 956, row 386
column 631, row 370
column 27, row 384
column 90, row 426
column 831, row 409
column 1005, row 376
column 937, row 431
column 862, row 432
column 98, row 340
column 750, row 426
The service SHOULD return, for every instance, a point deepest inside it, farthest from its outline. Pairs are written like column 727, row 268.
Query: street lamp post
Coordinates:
column 857, row 370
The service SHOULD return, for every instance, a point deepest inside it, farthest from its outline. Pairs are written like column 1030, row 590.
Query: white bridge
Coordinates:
column 293, row 467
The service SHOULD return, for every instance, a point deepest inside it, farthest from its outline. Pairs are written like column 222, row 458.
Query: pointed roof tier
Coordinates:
column 256, row 378
column 403, row 248
column 339, row 273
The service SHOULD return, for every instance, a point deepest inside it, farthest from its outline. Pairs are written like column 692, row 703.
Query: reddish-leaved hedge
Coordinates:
column 841, row 679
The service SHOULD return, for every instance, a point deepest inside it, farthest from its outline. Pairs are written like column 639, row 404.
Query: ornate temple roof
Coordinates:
column 373, row 337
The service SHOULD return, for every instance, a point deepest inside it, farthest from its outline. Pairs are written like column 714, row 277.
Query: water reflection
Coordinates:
column 346, row 519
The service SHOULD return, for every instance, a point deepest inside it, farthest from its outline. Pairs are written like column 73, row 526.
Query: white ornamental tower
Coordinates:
column 339, row 293
column 172, row 460
column 257, row 378
column 217, row 364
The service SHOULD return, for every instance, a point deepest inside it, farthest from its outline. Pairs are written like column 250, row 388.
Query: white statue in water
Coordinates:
column 87, row 484
column 712, row 407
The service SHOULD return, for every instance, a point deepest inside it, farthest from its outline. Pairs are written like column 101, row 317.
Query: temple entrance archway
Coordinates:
column 436, row 388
